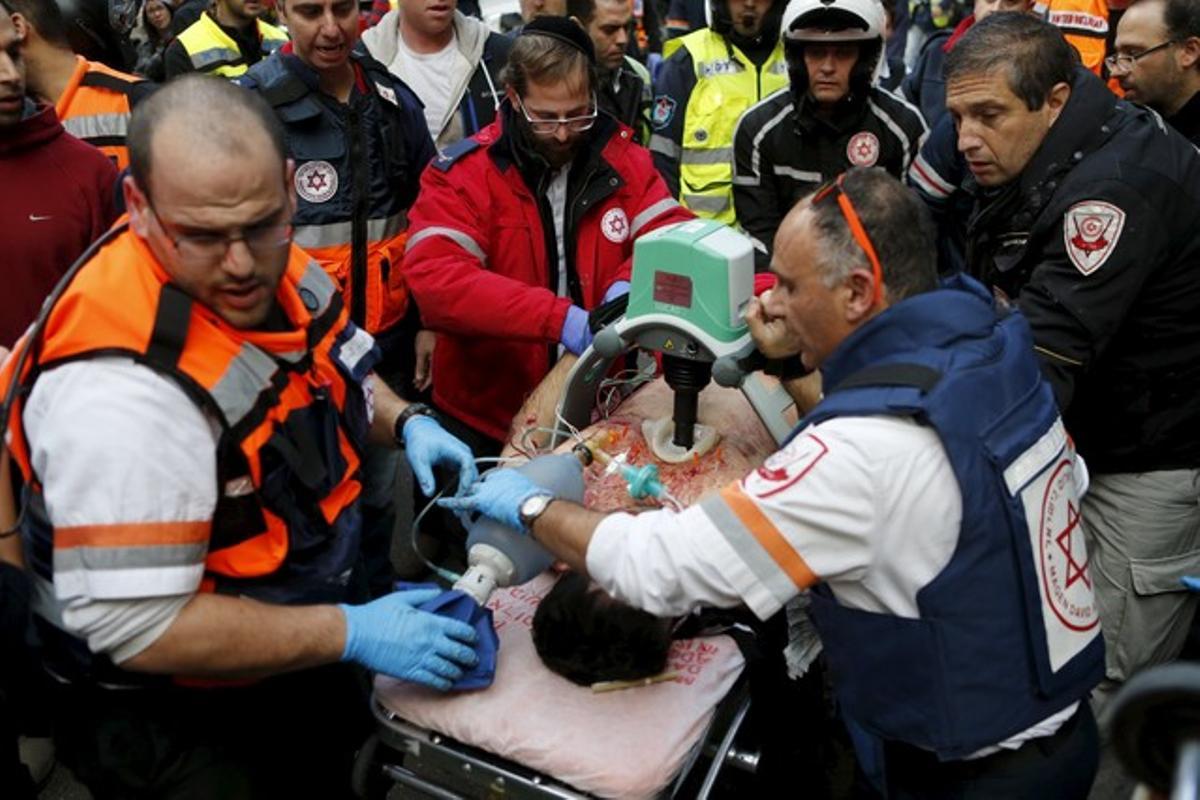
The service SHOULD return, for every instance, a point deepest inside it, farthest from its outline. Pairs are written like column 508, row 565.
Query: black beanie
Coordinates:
column 564, row 29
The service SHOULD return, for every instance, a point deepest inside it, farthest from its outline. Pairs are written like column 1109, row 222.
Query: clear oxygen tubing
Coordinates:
column 414, row 540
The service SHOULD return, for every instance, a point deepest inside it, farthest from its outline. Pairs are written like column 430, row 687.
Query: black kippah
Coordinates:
column 564, row 29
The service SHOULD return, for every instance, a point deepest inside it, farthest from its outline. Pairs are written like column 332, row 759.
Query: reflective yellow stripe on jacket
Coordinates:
column 727, row 83
column 211, row 50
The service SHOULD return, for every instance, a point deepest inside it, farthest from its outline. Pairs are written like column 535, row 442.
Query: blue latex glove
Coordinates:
column 390, row 636
column 426, row 443
column 616, row 290
column 499, row 496
column 1192, row 583
column 576, row 333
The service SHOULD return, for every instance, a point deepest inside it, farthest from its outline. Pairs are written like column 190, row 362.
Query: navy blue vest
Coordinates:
column 1008, row 632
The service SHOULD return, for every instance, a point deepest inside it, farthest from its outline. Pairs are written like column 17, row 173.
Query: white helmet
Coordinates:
column 832, row 21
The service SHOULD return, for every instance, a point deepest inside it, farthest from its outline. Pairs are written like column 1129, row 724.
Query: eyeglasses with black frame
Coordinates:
column 857, row 229
column 207, row 249
column 547, row 127
column 1124, row 62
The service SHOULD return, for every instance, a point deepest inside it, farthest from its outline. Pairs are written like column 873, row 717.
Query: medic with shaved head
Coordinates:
column 188, row 420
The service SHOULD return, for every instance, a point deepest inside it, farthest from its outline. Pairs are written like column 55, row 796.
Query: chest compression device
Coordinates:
column 690, row 287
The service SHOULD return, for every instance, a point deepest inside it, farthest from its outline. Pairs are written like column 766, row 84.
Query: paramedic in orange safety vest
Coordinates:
column 189, row 437
column 93, row 101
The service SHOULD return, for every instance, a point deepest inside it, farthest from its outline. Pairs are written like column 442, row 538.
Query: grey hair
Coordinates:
column 897, row 224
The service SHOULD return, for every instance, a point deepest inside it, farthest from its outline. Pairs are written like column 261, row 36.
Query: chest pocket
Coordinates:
column 715, row 106
column 302, row 463
column 712, row 114
column 514, row 234
column 320, row 156
column 387, row 127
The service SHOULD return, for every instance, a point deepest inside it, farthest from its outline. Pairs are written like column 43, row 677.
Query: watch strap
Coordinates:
column 412, row 410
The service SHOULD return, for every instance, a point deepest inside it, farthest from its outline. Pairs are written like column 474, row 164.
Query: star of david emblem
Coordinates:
column 617, row 226
column 1075, row 570
column 317, row 181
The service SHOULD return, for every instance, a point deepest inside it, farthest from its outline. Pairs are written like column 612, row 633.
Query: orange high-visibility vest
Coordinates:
column 290, row 405
column 95, row 107
column 1084, row 24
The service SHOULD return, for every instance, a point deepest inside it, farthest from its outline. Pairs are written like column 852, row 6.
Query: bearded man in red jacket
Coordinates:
column 521, row 230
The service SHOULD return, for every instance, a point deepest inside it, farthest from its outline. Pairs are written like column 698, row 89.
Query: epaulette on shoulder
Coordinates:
column 454, row 152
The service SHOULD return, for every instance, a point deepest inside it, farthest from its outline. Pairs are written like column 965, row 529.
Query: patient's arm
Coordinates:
column 538, row 410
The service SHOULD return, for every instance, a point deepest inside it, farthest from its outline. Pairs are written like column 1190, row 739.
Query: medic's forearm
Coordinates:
column 388, row 406
column 566, row 530
column 235, row 637
column 805, row 391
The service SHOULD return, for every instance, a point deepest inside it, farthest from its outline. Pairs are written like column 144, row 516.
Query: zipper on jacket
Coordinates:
column 358, row 218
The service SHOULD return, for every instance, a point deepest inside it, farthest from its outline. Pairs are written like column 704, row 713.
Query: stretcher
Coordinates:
column 535, row 735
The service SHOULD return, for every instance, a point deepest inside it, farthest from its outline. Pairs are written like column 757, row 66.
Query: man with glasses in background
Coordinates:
column 899, row 501
column 1157, row 60
column 523, row 229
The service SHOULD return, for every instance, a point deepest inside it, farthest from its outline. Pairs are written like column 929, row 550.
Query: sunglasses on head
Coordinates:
column 856, row 227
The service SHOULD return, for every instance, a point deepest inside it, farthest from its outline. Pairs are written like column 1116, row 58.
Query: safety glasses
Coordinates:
column 548, row 127
column 856, row 227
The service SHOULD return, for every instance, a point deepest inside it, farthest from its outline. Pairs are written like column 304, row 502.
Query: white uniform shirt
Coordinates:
column 128, row 465
column 867, row 505
column 839, row 504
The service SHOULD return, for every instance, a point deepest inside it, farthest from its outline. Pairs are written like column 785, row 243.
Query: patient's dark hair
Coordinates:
column 587, row 636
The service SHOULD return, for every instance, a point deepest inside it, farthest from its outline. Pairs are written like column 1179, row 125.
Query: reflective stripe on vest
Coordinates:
column 727, row 83
column 98, row 126
column 212, row 50
column 341, row 233
column 95, row 107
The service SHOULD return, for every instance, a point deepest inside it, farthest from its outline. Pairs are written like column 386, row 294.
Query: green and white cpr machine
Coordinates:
column 690, row 287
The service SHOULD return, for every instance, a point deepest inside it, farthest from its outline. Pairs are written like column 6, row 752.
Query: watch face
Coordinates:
column 533, row 507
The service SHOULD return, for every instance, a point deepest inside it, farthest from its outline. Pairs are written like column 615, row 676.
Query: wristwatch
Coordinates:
column 532, row 508
column 412, row 410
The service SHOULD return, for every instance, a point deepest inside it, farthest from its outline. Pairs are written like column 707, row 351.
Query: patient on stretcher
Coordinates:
column 586, row 636
column 579, row 631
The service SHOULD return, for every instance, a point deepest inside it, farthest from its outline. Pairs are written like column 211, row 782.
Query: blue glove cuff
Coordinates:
column 616, row 290
column 576, row 333
column 347, row 650
column 415, row 423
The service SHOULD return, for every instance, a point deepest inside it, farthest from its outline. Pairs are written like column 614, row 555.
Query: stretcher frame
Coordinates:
column 403, row 760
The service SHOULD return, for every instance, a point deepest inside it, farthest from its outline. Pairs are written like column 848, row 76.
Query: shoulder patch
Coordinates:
column 1090, row 233
column 387, row 93
column 454, row 152
column 785, row 468
column 664, row 110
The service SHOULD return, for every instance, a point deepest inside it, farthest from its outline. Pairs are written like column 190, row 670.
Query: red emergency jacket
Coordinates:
column 482, row 260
